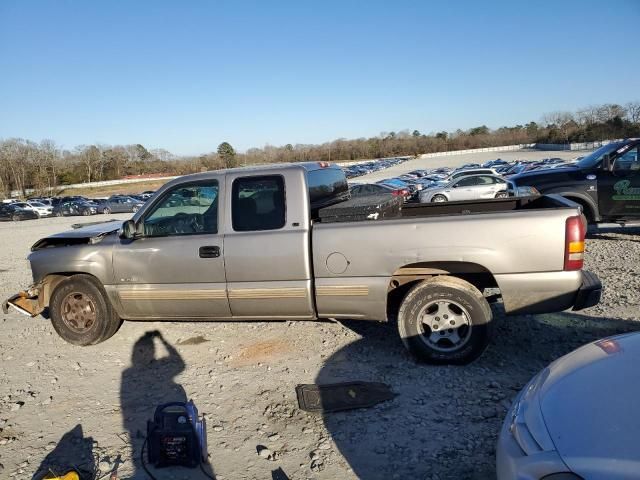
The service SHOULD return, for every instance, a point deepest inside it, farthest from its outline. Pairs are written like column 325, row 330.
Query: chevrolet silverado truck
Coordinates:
column 606, row 183
column 250, row 244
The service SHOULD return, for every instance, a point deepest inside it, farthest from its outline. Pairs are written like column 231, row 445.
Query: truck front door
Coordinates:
column 267, row 246
column 619, row 188
column 176, row 268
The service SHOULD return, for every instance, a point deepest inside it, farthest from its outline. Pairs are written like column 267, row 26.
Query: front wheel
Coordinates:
column 135, row 209
column 81, row 312
column 445, row 320
column 58, row 213
column 438, row 199
column 106, row 211
column 86, row 213
column 15, row 218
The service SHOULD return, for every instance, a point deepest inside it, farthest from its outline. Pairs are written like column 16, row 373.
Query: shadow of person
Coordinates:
column 445, row 420
column 74, row 451
column 147, row 383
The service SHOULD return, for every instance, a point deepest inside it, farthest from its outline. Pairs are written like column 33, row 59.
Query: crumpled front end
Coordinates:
column 28, row 302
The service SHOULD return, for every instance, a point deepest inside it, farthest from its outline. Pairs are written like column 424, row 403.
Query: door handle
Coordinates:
column 209, row 251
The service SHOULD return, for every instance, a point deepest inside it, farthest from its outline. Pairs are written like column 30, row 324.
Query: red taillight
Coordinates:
column 395, row 193
column 576, row 229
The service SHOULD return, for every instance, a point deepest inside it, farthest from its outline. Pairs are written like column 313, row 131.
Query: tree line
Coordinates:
column 45, row 166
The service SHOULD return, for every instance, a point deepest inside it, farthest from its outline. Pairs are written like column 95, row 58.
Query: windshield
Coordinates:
column 594, row 158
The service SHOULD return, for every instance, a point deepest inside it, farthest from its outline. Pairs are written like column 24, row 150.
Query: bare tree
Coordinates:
column 633, row 112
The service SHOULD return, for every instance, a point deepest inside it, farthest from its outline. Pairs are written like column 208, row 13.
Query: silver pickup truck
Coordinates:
column 250, row 244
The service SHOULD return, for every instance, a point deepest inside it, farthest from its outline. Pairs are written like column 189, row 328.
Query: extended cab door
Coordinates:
column 176, row 268
column 619, row 188
column 267, row 245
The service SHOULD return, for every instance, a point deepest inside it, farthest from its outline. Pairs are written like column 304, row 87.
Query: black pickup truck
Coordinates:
column 606, row 182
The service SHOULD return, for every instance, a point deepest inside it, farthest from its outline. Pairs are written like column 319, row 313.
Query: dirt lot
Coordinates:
column 61, row 404
column 454, row 161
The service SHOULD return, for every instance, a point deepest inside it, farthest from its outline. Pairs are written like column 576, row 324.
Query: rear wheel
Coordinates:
column 58, row 213
column 135, row 209
column 81, row 312
column 502, row 195
column 106, row 211
column 15, row 218
column 438, row 199
column 86, row 212
column 445, row 320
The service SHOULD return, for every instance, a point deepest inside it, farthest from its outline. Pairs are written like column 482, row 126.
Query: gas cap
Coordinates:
column 337, row 263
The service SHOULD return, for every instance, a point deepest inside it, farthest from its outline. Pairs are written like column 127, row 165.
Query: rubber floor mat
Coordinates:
column 342, row 396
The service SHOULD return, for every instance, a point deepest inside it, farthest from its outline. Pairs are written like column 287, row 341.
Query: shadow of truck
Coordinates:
column 445, row 420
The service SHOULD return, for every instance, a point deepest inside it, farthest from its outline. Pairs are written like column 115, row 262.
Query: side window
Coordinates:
column 499, row 181
column 484, row 180
column 258, row 203
column 185, row 210
column 467, row 182
column 628, row 160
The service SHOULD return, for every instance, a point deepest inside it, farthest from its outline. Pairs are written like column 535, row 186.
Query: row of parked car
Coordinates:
column 371, row 166
column 471, row 181
column 14, row 210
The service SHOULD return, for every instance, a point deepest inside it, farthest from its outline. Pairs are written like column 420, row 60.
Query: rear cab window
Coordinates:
column 327, row 186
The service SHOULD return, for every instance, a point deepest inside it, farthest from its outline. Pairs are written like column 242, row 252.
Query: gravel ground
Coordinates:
column 88, row 407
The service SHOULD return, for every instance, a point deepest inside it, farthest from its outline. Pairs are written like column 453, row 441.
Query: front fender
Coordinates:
column 95, row 260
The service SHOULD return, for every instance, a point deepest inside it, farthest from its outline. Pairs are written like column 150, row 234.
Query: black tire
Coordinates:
column 462, row 303
column 502, row 195
column 58, row 213
column 106, row 211
column 135, row 209
column 439, row 198
column 81, row 312
column 15, row 218
column 86, row 212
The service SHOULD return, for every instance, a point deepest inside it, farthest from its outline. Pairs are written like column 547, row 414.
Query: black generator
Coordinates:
column 177, row 436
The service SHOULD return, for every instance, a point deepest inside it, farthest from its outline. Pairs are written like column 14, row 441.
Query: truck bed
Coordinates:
column 520, row 242
column 469, row 207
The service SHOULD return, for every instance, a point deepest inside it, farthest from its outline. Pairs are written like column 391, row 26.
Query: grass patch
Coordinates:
column 107, row 190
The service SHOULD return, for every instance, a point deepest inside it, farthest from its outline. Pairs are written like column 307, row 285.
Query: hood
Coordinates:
column 545, row 174
column 589, row 405
column 87, row 233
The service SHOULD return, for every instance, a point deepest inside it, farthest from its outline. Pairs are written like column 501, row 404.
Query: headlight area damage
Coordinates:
column 33, row 300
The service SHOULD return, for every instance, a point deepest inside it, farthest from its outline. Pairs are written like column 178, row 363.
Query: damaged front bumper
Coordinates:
column 27, row 302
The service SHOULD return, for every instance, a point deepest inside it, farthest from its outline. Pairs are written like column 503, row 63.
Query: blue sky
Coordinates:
column 187, row 75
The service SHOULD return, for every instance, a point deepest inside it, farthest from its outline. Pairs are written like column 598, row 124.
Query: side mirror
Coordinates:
column 129, row 230
column 454, row 186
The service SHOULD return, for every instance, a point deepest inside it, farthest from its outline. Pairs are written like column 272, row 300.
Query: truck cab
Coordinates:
column 606, row 183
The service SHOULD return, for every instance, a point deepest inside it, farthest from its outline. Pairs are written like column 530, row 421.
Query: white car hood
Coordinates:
column 591, row 406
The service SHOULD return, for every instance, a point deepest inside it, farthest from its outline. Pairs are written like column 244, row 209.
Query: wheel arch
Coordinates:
column 409, row 275
column 589, row 208
column 51, row 281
